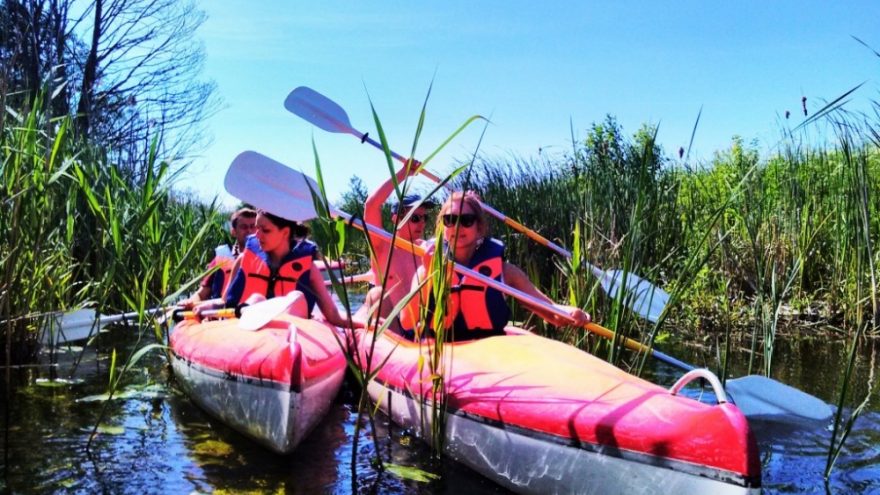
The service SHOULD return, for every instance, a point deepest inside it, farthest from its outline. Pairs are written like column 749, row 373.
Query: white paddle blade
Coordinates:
column 762, row 398
column 271, row 186
column 68, row 327
column 81, row 318
column 319, row 110
column 645, row 298
column 256, row 316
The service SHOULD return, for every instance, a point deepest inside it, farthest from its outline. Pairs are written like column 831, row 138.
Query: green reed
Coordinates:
column 38, row 271
column 338, row 239
column 81, row 230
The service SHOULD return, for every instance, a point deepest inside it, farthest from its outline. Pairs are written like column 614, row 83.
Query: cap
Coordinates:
column 410, row 200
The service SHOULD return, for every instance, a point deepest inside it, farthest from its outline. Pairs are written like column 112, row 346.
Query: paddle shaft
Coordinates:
column 638, row 346
column 354, row 279
column 211, row 313
column 518, row 294
column 531, row 234
column 106, row 320
column 328, row 115
column 488, row 208
column 491, row 282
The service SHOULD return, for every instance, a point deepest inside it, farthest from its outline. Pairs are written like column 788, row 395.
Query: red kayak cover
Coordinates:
column 265, row 354
column 549, row 387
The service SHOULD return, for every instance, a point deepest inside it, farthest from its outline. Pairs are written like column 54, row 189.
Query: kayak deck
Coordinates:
column 274, row 385
column 534, row 395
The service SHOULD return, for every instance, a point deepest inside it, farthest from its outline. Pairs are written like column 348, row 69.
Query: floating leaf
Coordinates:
column 57, row 383
column 410, row 473
column 142, row 393
column 111, row 429
column 68, row 482
column 214, row 448
column 94, row 398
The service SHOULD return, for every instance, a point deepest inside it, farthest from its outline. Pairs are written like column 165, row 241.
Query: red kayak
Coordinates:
column 539, row 416
column 273, row 385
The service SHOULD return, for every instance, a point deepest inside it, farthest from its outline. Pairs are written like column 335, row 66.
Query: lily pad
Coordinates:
column 411, row 473
column 142, row 393
column 214, row 448
column 58, row 383
column 111, row 429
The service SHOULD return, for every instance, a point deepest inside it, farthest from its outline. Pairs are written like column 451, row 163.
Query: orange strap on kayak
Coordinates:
column 214, row 313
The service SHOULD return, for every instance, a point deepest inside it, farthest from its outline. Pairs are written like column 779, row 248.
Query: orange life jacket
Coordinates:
column 293, row 273
column 474, row 310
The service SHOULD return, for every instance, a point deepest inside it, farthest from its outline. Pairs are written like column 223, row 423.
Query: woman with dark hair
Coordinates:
column 473, row 309
column 278, row 260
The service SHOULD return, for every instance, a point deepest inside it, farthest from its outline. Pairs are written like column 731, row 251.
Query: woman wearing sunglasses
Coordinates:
column 473, row 309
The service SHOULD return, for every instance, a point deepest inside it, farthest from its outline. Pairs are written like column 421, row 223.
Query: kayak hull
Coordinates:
column 529, row 437
column 273, row 385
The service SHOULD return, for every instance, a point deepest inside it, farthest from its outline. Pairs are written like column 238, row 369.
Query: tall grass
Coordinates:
column 38, row 264
column 80, row 231
column 336, row 239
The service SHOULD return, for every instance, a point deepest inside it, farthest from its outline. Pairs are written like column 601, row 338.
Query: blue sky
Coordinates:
column 533, row 68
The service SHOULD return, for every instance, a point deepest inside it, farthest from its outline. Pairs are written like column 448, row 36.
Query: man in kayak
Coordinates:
column 409, row 217
column 243, row 223
column 475, row 310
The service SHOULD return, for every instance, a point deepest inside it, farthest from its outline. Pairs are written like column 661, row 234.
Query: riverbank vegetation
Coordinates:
column 80, row 230
column 100, row 105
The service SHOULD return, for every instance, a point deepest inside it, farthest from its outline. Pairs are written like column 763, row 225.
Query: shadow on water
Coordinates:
column 156, row 441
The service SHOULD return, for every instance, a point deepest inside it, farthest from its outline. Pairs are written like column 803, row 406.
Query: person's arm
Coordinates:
column 204, row 291
column 373, row 216
column 328, row 307
column 203, row 294
column 411, row 313
column 516, row 278
column 235, row 288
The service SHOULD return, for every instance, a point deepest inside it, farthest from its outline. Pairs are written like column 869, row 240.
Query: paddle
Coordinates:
column 648, row 300
column 354, row 279
column 181, row 315
column 256, row 316
column 251, row 317
column 83, row 323
column 261, row 181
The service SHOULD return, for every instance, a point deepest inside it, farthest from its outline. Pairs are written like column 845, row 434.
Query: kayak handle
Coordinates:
column 705, row 374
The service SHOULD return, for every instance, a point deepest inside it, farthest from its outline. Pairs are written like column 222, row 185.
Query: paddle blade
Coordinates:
column 319, row 110
column 256, row 316
column 271, row 186
column 646, row 299
column 762, row 398
column 68, row 327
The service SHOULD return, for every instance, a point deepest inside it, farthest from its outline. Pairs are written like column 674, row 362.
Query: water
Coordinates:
column 156, row 441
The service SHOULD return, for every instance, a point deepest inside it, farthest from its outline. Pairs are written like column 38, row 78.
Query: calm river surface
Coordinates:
column 154, row 440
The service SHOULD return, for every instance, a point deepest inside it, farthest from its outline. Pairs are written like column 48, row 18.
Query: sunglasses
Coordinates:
column 465, row 220
column 416, row 218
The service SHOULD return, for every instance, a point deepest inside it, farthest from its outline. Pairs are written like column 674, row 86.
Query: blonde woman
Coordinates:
column 475, row 310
